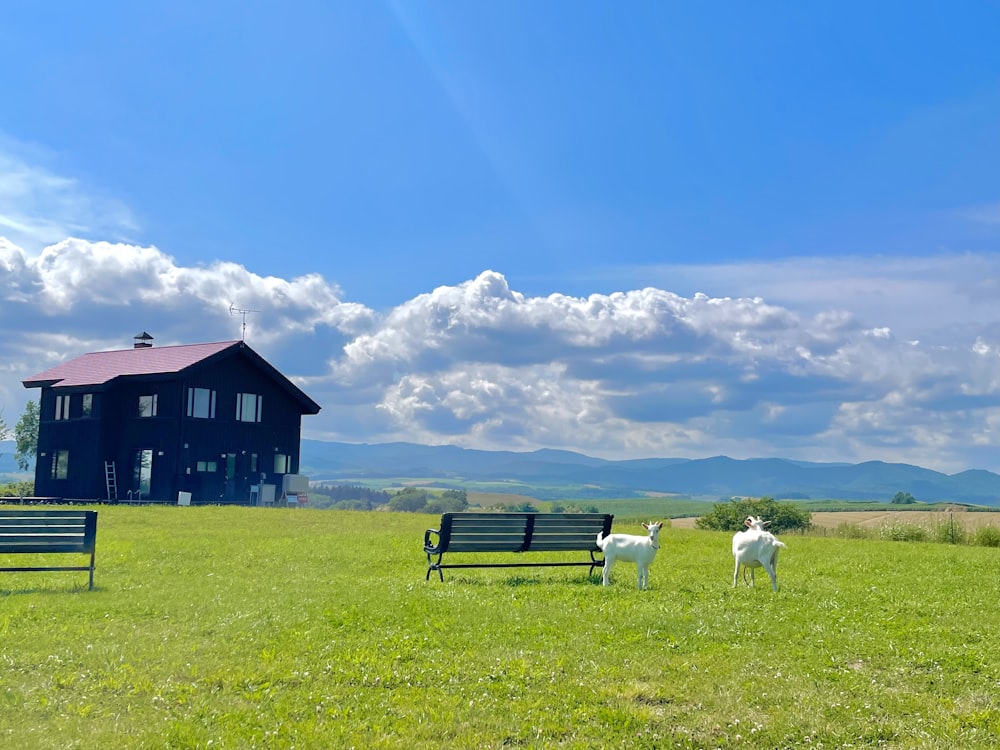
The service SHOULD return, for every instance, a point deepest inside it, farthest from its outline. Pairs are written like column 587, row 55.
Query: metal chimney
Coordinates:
column 142, row 341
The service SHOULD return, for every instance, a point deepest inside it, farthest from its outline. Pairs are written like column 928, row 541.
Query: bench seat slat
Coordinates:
column 572, row 521
column 32, row 548
column 469, row 546
column 559, row 546
column 471, row 524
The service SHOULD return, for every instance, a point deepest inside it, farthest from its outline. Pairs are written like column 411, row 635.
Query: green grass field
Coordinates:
column 261, row 628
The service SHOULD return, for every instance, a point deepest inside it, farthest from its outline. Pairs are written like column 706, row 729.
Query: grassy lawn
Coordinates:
column 261, row 628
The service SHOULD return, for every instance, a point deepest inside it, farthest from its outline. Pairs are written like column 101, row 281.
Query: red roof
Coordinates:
column 98, row 368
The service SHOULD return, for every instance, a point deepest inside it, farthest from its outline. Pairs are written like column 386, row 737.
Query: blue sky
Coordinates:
column 363, row 173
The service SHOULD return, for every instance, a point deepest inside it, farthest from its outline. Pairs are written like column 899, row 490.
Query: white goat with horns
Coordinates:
column 631, row 548
column 755, row 547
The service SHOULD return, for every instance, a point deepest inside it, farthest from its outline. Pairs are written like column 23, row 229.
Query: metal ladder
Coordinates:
column 111, row 480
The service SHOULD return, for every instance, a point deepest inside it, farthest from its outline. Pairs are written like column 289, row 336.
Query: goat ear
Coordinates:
column 645, row 526
column 766, row 523
column 747, row 523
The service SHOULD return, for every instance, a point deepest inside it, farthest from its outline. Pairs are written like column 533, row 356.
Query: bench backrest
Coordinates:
column 47, row 531
column 522, row 532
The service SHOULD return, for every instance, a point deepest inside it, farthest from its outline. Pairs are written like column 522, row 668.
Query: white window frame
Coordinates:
column 201, row 403
column 249, row 407
column 151, row 399
column 62, row 406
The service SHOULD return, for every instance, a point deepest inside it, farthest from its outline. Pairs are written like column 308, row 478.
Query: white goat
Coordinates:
column 756, row 548
column 631, row 548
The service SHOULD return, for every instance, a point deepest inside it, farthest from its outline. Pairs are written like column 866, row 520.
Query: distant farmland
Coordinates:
column 873, row 518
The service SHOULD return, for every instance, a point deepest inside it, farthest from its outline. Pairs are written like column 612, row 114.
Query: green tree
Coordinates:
column 408, row 500
column 26, row 436
column 729, row 516
column 449, row 501
column 903, row 498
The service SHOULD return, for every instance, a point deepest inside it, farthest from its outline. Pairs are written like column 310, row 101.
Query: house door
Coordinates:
column 230, row 488
column 142, row 473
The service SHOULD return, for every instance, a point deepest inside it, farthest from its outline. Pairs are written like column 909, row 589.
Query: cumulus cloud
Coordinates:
column 642, row 372
column 916, row 298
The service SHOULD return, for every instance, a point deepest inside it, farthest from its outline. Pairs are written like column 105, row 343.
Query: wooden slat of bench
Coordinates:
column 571, row 521
column 466, row 545
column 489, row 521
column 71, row 521
column 33, row 547
column 557, row 544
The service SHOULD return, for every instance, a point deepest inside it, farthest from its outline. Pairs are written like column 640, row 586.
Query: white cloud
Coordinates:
column 635, row 373
column 927, row 298
column 39, row 207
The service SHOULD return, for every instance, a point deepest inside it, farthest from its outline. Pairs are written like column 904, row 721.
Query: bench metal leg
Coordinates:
column 431, row 565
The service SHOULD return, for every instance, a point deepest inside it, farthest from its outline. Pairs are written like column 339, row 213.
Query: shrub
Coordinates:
column 853, row 531
column 949, row 532
column 17, row 489
column 987, row 536
column 729, row 516
column 899, row 531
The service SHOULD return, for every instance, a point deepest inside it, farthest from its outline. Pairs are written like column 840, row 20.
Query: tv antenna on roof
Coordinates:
column 233, row 310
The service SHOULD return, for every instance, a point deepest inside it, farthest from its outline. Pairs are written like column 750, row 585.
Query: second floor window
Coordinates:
column 62, row 407
column 87, row 406
column 201, row 403
column 248, row 407
column 147, row 406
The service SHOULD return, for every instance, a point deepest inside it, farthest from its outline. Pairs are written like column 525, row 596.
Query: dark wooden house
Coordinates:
column 150, row 422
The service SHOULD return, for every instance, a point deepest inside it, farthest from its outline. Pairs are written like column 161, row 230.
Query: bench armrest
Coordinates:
column 429, row 547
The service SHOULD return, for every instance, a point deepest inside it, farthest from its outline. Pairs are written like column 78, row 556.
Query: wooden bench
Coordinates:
column 45, row 532
column 515, row 532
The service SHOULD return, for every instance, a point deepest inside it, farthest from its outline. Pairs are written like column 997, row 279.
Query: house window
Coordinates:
column 87, row 408
column 147, row 406
column 62, row 407
column 60, row 464
column 282, row 463
column 248, row 407
column 142, row 471
column 253, row 463
column 201, row 403
column 206, row 466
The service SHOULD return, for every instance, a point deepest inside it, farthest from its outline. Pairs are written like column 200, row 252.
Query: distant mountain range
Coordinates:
column 557, row 475
column 554, row 474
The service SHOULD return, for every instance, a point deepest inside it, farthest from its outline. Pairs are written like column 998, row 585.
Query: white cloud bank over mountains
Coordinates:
column 645, row 372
